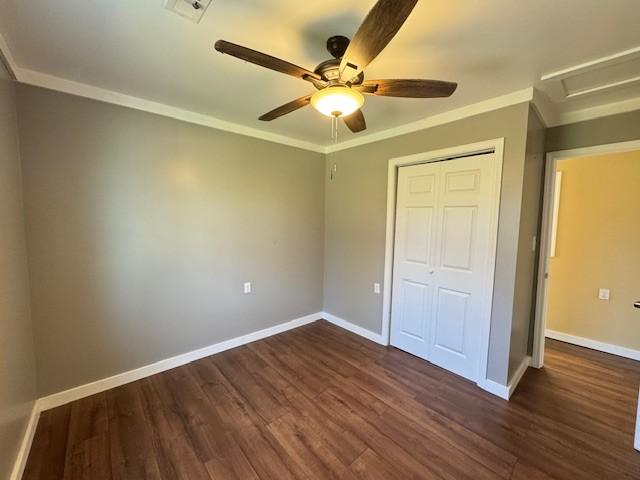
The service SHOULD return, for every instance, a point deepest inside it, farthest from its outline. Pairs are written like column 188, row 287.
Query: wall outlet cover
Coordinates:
column 603, row 294
column 247, row 287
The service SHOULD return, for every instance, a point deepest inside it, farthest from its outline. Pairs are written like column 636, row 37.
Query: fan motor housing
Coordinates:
column 329, row 70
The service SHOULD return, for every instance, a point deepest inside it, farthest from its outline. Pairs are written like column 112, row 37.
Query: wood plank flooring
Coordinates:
column 318, row 402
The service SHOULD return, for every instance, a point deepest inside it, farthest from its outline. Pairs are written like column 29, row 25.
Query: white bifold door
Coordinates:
column 443, row 260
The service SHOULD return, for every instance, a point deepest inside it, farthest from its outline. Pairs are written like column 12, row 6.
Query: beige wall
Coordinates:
column 355, row 216
column 142, row 229
column 597, row 247
column 17, row 363
column 526, row 268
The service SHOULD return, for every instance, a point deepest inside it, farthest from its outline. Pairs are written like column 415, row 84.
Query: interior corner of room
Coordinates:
column 333, row 296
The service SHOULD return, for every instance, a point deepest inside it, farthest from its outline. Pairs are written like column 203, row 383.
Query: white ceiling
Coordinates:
column 490, row 47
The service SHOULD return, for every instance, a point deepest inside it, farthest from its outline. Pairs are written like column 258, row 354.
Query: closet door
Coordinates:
column 441, row 260
column 414, row 259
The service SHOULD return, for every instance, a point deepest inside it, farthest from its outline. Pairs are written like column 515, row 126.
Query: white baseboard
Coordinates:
column 495, row 388
column 518, row 374
column 25, row 445
column 353, row 328
column 593, row 344
column 502, row 391
column 505, row 391
column 76, row 393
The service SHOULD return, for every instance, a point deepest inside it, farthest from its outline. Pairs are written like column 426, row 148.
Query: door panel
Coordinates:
column 441, row 260
column 418, row 234
column 458, row 226
column 451, row 320
column 415, row 297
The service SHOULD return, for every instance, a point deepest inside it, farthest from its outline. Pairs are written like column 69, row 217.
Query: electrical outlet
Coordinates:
column 603, row 294
column 376, row 288
column 247, row 287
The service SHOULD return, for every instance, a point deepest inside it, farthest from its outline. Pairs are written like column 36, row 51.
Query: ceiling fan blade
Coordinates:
column 355, row 121
column 378, row 28
column 267, row 61
column 410, row 88
column 286, row 108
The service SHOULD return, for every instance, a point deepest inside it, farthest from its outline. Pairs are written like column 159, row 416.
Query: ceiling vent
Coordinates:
column 190, row 9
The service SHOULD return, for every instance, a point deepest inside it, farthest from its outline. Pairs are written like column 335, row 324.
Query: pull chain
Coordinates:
column 334, row 129
column 334, row 137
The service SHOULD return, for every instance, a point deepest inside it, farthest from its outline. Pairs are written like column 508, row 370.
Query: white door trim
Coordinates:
column 537, row 360
column 495, row 146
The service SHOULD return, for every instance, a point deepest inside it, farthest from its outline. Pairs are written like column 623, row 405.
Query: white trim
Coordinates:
column 555, row 213
column 495, row 146
column 25, row 445
column 486, row 384
column 545, row 109
column 625, row 55
column 494, row 388
column 561, row 116
column 353, row 328
column 594, row 344
column 636, row 440
column 51, row 82
column 506, row 391
column 6, row 58
column 518, row 374
column 607, row 86
column 564, row 118
column 62, row 398
column 514, row 98
column 545, row 234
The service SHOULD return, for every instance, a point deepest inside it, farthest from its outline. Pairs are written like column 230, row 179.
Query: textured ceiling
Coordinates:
column 490, row 47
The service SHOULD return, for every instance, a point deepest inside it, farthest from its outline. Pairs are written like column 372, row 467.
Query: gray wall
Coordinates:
column 355, row 211
column 614, row 128
column 526, row 268
column 142, row 229
column 17, row 363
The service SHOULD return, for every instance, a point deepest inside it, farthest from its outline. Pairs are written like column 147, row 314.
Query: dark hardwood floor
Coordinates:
column 318, row 402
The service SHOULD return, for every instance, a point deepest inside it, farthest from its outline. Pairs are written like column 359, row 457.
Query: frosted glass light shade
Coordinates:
column 337, row 101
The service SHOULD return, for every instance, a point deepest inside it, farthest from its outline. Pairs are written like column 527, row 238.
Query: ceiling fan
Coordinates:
column 340, row 81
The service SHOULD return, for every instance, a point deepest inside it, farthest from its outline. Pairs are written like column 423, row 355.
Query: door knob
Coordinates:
column 637, row 304
column 432, row 270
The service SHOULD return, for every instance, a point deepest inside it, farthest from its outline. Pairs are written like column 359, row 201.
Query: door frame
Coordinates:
column 537, row 359
column 495, row 146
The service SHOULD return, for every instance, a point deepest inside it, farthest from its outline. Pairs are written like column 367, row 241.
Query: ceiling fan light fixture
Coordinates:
column 337, row 101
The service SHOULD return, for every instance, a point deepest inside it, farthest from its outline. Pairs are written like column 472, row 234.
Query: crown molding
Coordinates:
column 564, row 118
column 38, row 79
column 551, row 113
column 7, row 59
column 51, row 82
column 548, row 112
column 519, row 96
